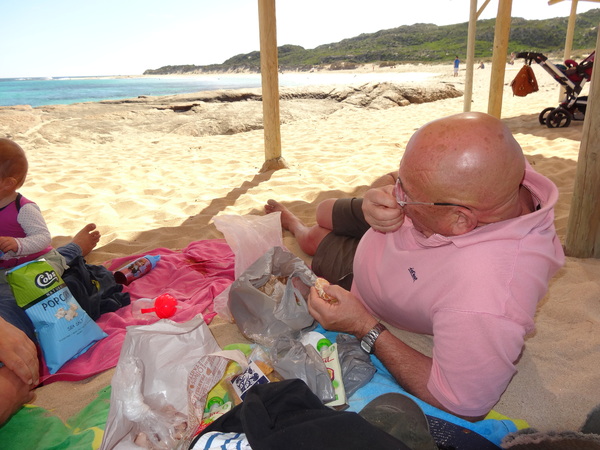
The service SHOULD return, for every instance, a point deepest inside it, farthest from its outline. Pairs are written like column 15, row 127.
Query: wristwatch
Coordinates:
column 368, row 341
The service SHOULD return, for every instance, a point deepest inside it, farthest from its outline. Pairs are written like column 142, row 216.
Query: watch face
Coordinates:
column 366, row 347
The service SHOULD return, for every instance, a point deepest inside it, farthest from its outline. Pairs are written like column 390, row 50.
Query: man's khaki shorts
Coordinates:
column 334, row 257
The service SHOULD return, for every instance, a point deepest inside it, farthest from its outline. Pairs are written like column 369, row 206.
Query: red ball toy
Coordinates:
column 165, row 306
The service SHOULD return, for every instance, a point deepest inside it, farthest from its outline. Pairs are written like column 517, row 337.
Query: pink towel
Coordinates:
column 194, row 276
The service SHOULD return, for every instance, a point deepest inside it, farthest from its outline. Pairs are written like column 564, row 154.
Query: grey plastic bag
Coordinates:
column 357, row 368
column 292, row 359
column 262, row 314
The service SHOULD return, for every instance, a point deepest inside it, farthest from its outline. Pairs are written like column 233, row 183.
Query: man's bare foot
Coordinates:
column 288, row 220
column 87, row 238
column 308, row 238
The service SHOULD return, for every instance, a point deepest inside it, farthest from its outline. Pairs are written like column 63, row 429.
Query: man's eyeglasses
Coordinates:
column 403, row 200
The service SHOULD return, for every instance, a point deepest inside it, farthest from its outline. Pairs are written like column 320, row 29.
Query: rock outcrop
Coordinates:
column 205, row 113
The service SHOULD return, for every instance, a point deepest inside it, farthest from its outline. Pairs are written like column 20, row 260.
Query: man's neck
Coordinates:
column 522, row 204
column 526, row 201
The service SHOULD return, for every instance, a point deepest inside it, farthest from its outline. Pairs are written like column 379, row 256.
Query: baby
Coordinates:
column 24, row 235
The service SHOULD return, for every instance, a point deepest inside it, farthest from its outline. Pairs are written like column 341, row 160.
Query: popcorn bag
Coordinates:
column 64, row 330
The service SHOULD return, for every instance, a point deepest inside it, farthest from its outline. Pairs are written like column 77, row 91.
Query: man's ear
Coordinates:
column 464, row 221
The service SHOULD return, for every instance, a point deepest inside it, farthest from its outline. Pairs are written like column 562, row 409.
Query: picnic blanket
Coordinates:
column 194, row 276
column 86, row 429
column 493, row 428
column 83, row 431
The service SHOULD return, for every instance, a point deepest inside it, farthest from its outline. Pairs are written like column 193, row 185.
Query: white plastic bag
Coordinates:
column 249, row 237
column 150, row 392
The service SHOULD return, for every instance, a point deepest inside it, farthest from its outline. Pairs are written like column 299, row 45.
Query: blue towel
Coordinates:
column 383, row 382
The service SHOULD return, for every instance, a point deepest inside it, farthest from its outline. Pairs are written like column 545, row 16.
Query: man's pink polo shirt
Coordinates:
column 476, row 294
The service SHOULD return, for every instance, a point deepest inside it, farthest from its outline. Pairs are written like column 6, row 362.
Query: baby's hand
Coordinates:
column 8, row 243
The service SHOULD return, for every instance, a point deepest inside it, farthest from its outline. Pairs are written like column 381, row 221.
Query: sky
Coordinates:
column 53, row 38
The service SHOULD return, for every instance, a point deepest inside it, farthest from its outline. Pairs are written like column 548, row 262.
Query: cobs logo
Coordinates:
column 45, row 279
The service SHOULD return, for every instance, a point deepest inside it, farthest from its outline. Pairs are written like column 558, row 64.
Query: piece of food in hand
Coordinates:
column 319, row 287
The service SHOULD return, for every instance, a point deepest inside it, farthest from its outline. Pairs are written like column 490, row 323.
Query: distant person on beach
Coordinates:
column 458, row 244
column 24, row 237
column 456, row 65
column 481, row 65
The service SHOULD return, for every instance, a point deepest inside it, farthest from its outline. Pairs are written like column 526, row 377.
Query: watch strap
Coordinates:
column 368, row 341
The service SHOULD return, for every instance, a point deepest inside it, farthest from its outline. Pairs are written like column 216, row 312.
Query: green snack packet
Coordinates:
column 64, row 330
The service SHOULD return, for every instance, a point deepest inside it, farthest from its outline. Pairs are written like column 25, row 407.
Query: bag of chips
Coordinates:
column 64, row 330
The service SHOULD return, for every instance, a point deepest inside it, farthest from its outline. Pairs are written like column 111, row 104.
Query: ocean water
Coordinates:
column 68, row 90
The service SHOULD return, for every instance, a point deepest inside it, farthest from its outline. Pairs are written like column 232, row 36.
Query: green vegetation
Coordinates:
column 426, row 43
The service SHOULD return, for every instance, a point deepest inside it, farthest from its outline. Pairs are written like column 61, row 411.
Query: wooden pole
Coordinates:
column 270, row 85
column 570, row 29
column 501, row 37
column 569, row 42
column 468, row 97
column 583, row 227
column 473, row 16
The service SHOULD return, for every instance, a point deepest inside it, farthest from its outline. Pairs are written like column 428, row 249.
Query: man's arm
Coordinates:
column 18, row 353
column 19, row 371
column 410, row 368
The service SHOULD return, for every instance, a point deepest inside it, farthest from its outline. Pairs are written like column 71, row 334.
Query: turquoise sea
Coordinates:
column 67, row 90
column 44, row 91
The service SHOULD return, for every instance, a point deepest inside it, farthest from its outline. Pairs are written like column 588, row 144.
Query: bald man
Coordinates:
column 459, row 244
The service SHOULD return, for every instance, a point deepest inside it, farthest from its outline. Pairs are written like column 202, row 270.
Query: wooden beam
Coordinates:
column 480, row 10
column 583, row 227
column 468, row 95
column 500, row 50
column 568, row 43
column 269, row 66
column 570, row 29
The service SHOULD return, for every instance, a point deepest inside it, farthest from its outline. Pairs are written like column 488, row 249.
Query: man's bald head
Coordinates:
column 468, row 158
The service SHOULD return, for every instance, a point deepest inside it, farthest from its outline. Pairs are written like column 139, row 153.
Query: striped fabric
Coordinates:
column 225, row 441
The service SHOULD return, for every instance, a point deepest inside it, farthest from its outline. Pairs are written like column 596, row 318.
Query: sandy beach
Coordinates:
column 147, row 188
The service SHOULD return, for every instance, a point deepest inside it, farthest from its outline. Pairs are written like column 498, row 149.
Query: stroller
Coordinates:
column 572, row 77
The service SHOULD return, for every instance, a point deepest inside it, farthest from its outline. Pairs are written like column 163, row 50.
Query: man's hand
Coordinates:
column 346, row 315
column 381, row 209
column 19, row 353
column 15, row 393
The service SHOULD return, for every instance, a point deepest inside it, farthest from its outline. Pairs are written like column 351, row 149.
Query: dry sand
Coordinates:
column 147, row 189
